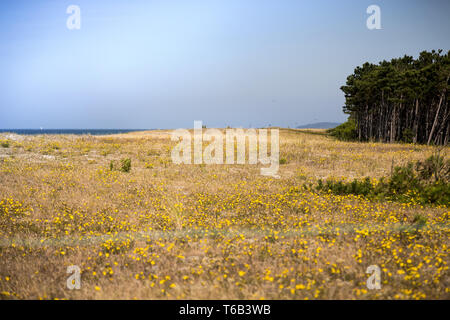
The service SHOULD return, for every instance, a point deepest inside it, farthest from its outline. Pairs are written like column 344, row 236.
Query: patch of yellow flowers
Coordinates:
column 180, row 232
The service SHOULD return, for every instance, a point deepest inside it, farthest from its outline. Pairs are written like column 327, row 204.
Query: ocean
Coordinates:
column 70, row 131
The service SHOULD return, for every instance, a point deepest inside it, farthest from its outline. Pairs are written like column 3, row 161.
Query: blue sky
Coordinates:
column 164, row 64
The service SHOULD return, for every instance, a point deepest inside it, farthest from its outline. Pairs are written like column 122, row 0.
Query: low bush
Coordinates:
column 407, row 135
column 423, row 182
column 346, row 131
column 125, row 165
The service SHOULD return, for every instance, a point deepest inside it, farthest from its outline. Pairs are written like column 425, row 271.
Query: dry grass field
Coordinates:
column 167, row 231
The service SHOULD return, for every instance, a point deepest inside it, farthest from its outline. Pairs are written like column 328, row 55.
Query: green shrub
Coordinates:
column 363, row 187
column 5, row 144
column 283, row 161
column 434, row 168
column 407, row 135
column 403, row 179
column 346, row 131
column 125, row 165
column 424, row 182
column 438, row 193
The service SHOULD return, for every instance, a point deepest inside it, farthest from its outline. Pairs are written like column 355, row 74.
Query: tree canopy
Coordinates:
column 404, row 99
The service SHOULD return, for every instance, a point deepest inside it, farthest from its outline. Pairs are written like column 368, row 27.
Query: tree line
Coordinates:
column 404, row 99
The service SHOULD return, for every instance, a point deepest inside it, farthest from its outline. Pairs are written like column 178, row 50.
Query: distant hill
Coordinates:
column 319, row 125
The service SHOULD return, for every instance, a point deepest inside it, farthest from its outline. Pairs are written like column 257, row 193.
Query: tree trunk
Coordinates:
column 393, row 128
column 447, row 133
column 416, row 121
column 440, row 131
column 436, row 118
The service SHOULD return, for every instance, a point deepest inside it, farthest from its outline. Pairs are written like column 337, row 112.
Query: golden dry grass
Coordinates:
column 209, row 231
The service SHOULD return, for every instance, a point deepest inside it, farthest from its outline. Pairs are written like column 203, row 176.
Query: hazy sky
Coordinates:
column 164, row 64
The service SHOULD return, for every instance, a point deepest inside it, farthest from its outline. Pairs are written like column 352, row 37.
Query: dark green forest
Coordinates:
column 404, row 99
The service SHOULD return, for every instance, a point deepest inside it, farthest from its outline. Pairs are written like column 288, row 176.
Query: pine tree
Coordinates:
column 404, row 99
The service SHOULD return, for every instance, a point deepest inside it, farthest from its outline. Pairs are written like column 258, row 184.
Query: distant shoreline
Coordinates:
column 93, row 132
column 319, row 125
